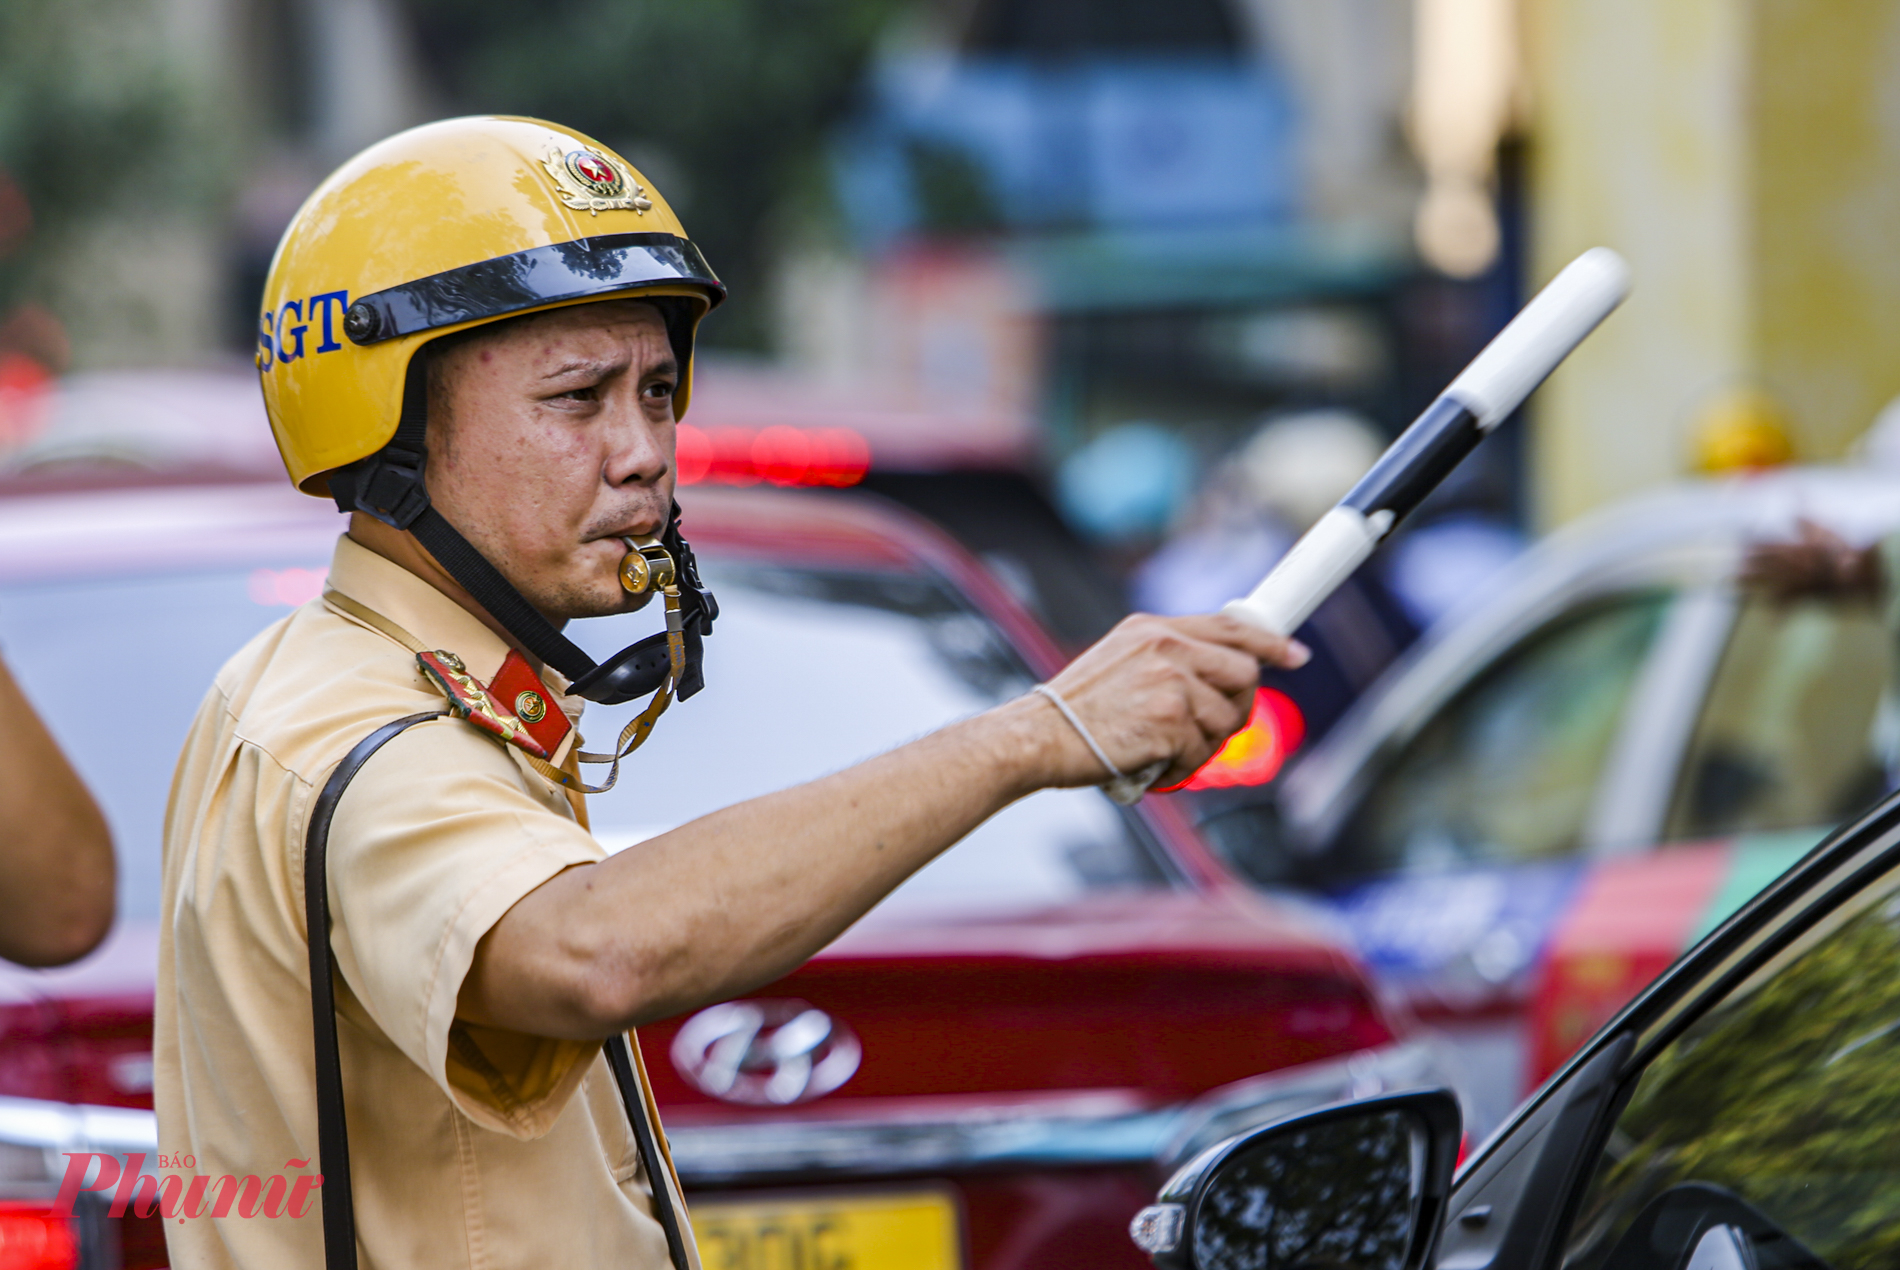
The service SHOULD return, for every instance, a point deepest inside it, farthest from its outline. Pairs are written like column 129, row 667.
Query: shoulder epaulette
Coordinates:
column 517, row 706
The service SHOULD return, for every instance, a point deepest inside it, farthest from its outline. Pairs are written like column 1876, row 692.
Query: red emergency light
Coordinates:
column 778, row 455
column 1255, row 754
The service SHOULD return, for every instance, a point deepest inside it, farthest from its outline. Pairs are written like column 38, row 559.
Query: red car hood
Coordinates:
column 1220, row 925
column 1135, row 1000
column 83, row 1033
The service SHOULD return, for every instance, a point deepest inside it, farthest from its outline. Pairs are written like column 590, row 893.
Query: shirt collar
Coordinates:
column 433, row 618
column 417, row 607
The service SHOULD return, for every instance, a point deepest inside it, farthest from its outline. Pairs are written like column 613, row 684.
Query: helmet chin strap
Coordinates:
column 389, row 486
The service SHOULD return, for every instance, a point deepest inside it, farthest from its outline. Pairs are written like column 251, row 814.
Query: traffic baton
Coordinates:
column 1496, row 382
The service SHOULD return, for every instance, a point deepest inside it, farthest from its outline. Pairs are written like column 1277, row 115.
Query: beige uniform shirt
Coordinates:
column 471, row 1147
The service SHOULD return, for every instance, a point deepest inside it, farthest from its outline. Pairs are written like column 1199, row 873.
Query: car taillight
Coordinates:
column 1255, row 754
column 33, row 1237
column 778, row 455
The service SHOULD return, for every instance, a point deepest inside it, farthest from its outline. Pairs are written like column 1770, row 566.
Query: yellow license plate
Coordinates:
column 915, row 1230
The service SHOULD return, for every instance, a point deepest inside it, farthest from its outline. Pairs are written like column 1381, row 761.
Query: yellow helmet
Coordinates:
column 438, row 229
column 1742, row 430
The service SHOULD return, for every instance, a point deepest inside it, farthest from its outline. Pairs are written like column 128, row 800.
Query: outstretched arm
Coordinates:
column 741, row 897
column 57, row 875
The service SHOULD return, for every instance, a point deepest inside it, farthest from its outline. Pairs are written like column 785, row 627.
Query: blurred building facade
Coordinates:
column 1208, row 211
column 1197, row 200
column 1745, row 156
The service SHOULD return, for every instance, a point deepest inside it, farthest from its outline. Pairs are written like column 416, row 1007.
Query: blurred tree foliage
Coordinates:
column 735, row 97
column 1788, row 1096
column 94, row 122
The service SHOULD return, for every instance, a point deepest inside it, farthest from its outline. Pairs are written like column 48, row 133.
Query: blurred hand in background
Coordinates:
column 1816, row 563
column 57, row 875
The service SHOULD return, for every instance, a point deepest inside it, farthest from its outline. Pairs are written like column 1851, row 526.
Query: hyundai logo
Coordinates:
column 765, row 1053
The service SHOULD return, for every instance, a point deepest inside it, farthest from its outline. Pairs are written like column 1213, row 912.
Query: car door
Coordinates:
column 1796, row 730
column 1465, row 842
column 1739, row 1113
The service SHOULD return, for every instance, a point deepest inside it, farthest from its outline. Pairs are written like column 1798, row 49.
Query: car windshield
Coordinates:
column 1506, row 772
column 1800, row 727
column 808, row 672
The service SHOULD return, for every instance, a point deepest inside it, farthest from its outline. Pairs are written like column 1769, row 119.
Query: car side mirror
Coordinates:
column 1362, row 1184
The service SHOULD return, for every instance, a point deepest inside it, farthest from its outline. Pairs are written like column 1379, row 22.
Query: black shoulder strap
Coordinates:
column 333, row 1136
column 620, row 1059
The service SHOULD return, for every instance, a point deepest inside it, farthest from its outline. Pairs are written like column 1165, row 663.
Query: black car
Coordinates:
column 1742, row 1114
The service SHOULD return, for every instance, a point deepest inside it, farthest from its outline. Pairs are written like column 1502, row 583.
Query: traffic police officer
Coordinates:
column 507, row 309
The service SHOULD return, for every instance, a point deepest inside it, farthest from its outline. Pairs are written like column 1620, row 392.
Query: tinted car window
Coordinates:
column 1508, row 769
column 1793, row 728
column 808, row 672
column 1773, row 1112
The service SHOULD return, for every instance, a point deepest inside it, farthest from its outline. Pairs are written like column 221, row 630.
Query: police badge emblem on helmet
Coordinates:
column 594, row 172
column 590, row 181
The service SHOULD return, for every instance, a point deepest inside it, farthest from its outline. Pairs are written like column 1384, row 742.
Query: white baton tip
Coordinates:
column 1542, row 335
column 1323, row 558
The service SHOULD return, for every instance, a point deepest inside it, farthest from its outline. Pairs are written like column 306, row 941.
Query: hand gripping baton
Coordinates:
column 1511, row 366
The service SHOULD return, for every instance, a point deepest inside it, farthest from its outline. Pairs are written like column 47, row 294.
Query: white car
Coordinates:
column 1559, row 789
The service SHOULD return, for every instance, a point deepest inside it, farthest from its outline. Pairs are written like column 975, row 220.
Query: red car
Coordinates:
column 992, row 1071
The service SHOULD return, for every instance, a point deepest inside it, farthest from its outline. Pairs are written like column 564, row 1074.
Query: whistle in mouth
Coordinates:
column 647, row 566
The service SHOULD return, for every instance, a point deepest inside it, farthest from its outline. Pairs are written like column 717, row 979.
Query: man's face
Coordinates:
column 551, row 438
